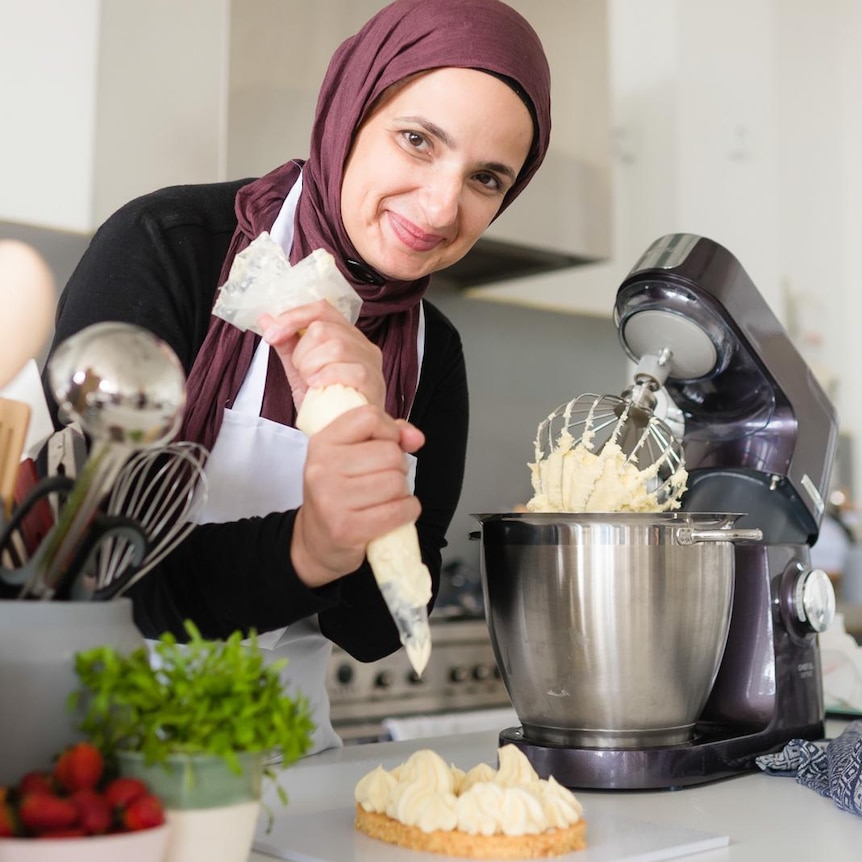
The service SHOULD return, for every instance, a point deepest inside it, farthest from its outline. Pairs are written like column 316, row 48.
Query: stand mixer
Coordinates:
column 759, row 438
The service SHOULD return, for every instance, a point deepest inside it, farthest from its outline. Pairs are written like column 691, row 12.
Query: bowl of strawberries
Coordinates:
column 79, row 811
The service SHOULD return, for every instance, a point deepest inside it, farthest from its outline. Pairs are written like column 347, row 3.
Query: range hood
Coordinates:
column 561, row 220
column 493, row 261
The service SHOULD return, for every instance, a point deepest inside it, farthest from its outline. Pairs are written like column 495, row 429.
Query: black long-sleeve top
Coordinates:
column 156, row 263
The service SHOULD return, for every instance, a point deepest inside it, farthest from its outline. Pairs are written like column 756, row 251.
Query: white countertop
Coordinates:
column 766, row 817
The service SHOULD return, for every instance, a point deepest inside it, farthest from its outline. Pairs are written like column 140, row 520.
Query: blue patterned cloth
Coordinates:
column 831, row 767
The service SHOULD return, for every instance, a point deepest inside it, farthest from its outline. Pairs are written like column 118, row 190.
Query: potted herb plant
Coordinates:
column 201, row 723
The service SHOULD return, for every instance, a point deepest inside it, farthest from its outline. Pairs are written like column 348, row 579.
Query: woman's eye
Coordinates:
column 489, row 181
column 413, row 139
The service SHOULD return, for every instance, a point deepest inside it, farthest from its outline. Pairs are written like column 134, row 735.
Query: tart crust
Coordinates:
column 453, row 843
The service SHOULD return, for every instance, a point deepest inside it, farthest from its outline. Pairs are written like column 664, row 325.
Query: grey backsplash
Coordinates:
column 521, row 363
column 61, row 249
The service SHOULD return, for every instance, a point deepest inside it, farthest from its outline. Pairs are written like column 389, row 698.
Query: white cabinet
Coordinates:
column 104, row 100
column 154, row 92
column 740, row 121
column 694, row 144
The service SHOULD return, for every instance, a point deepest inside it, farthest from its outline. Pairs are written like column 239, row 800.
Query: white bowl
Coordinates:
column 147, row 845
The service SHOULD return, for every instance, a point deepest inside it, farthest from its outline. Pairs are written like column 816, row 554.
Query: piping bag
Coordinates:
column 261, row 280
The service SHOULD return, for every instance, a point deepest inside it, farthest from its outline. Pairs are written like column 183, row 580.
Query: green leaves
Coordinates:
column 214, row 697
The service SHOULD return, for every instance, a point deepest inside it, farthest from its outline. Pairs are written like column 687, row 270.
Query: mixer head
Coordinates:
column 760, row 433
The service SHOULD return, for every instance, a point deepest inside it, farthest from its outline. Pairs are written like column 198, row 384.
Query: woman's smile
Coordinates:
column 412, row 235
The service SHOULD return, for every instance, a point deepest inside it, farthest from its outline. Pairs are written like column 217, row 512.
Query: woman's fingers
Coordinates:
column 325, row 549
column 294, row 321
column 412, row 439
column 318, row 348
column 355, row 490
column 331, row 353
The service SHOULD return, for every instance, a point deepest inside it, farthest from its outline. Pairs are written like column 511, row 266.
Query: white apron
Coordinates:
column 255, row 468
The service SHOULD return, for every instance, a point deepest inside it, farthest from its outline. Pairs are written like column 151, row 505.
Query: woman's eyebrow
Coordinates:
column 443, row 136
column 431, row 128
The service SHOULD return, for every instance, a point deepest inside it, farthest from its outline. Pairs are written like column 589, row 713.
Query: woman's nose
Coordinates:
column 441, row 199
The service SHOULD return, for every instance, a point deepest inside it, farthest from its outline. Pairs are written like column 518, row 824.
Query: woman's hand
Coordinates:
column 318, row 346
column 355, row 489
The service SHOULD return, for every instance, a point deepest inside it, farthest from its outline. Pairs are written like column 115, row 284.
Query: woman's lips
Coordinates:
column 412, row 235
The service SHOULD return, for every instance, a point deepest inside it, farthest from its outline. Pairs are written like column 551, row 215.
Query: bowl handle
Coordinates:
column 690, row 536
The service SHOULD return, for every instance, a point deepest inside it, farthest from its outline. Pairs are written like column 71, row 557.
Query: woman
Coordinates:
column 430, row 121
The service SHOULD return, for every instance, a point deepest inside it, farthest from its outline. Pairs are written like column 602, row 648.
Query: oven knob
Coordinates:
column 413, row 678
column 482, row 672
column 344, row 674
column 384, row 679
column 458, row 673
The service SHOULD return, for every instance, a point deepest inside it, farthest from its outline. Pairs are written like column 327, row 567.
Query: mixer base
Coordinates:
column 708, row 757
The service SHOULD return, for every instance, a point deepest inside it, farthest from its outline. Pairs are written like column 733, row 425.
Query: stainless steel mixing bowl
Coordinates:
column 609, row 628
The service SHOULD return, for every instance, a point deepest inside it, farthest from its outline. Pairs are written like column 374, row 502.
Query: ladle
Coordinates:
column 126, row 389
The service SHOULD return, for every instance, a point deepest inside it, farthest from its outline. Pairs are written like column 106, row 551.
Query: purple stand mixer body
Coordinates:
column 760, row 438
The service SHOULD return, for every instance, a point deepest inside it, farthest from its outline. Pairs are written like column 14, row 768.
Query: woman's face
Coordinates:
column 429, row 168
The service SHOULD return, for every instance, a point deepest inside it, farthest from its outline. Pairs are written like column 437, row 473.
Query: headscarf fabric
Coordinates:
column 405, row 38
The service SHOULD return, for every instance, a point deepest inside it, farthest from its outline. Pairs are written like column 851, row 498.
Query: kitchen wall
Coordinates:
column 521, row 364
column 740, row 120
column 107, row 99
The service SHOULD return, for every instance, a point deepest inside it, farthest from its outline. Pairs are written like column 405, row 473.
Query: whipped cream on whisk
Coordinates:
column 574, row 476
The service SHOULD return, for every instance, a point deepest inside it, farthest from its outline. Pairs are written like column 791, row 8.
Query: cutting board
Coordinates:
column 329, row 836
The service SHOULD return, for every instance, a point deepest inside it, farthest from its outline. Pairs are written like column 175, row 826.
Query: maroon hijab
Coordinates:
column 404, row 38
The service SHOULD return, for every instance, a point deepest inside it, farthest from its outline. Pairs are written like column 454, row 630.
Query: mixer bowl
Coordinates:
column 609, row 629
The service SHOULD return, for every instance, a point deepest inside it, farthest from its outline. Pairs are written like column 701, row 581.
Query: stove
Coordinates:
column 462, row 675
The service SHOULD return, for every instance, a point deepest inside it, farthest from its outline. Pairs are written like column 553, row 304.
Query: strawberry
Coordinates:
column 145, row 812
column 70, row 832
column 37, row 781
column 79, row 767
column 94, row 812
column 41, row 812
column 8, row 821
column 124, row 790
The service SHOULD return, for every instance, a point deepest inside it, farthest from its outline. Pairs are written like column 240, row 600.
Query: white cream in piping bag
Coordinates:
column 261, row 280
column 395, row 559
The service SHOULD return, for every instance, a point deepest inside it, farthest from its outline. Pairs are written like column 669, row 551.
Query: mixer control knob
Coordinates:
column 815, row 600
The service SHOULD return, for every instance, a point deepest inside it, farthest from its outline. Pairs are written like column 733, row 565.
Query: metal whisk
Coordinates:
column 161, row 489
column 592, row 423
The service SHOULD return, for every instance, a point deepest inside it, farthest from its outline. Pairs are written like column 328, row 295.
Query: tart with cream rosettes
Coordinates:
column 506, row 813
